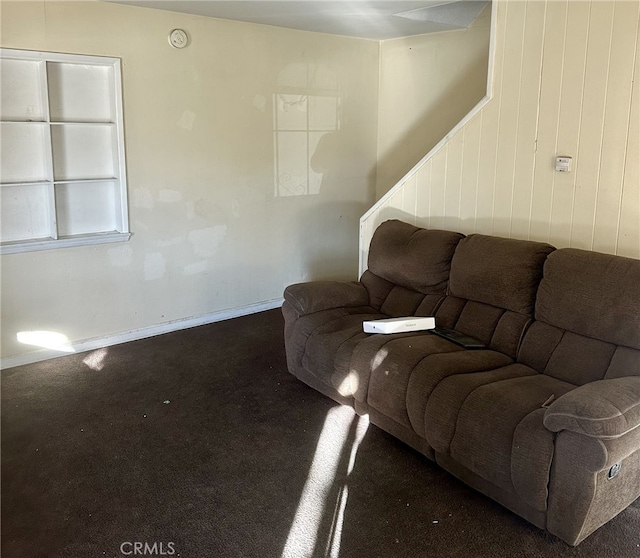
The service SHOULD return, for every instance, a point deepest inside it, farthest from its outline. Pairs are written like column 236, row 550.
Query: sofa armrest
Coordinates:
column 603, row 409
column 591, row 481
column 315, row 296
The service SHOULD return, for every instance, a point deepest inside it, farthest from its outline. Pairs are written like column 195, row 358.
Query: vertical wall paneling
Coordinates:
column 423, row 170
column 628, row 242
column 565, row 82
column 452, row 192
column 487, row 166
column 437, row 189
column 393, row 208
column 549, row 116
column 589, row 155
column 512, row 75
column 569, row 120
column 409, row 199
column 489, row 159
column 396, row 204
column 528, row 119
column 427, row 84
column 366, row 232
column 469, row 175
column 423, row 193
column 615, row 132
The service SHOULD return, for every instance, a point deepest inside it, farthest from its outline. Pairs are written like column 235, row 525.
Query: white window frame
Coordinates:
column 72, row 201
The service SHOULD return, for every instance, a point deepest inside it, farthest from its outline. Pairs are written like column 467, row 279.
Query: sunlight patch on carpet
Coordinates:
column 95, row 359
column 331, row 450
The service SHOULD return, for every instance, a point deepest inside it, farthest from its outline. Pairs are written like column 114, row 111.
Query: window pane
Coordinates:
column 25, row 212
column 23, row 152
column 80, row 93
column 86, row 207
column 21, row 94
column 82, row 151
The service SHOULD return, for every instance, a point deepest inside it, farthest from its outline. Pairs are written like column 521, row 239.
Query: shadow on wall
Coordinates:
column 306, row 108
column 331, row 226
column 433, row 125
column 322, row 168
column 328, row 241
column 317, row 144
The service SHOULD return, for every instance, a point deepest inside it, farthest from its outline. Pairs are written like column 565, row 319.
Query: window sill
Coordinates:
column 63, row 242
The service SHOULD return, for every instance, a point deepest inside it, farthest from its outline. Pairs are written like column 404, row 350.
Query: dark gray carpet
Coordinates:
column 200, row 442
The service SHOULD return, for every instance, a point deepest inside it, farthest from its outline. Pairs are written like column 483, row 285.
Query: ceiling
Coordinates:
column 367, row 19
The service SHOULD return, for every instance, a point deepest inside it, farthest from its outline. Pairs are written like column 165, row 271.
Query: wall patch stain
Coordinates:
column 142, row 198
column 190, row 208
column 206, row 241
column 154, row 266
column 169, row 196
column 260, row 102
column 198, row 267
column 186, row 120
column 163, row 243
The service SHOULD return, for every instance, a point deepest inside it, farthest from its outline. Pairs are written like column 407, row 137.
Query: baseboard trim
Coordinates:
column 141, row 333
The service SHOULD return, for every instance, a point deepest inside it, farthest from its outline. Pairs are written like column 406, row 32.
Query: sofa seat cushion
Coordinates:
column 436, row 367
column 362, row 353
column 390, row 368
column 326, row 338
column 512, row 450
column 448, row 397
column 299, row 328
column 385, row 366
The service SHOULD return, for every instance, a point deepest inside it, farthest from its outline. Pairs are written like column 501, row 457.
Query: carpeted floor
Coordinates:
column 200, row 444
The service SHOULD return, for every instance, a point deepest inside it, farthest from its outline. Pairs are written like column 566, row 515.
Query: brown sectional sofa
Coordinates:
column 545, row 418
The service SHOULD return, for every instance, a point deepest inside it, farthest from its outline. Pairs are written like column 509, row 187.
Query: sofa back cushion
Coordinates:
column 592, row 294
column 411, row 257
column 492, row 289
column 408, row 268
column 501, row 272
column 587, row 318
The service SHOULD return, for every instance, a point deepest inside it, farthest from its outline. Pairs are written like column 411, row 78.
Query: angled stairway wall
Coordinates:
column 427, row 84
column 564, row 82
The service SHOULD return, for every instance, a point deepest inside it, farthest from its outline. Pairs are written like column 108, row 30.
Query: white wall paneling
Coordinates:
column 565, row 82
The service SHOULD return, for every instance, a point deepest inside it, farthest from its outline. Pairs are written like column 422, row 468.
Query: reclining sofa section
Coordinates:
column 544, row 419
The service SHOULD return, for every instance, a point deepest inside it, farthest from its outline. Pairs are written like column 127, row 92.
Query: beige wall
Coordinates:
column 427, row 84
column 566, row 82
column 209, row 231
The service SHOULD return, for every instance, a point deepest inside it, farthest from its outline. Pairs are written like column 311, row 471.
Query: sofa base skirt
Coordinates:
column 312, row 381
column 399, row 431
column 507, row 499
